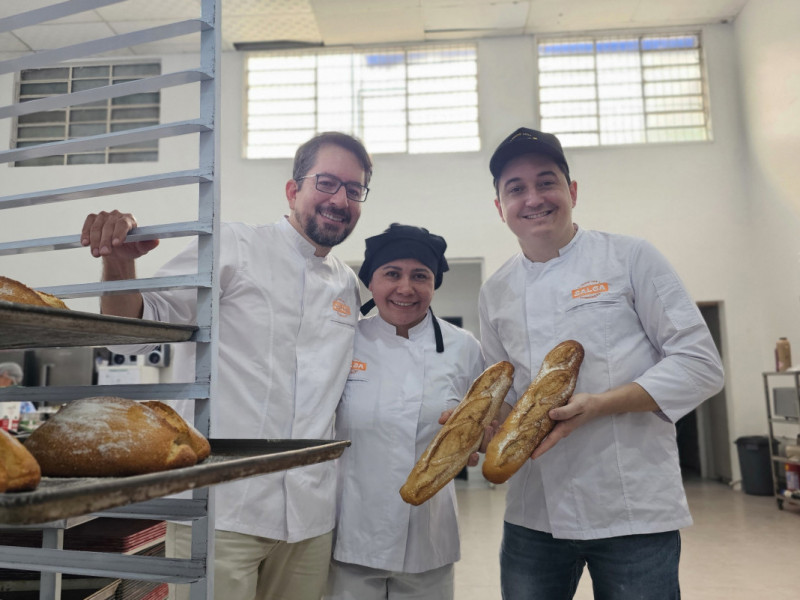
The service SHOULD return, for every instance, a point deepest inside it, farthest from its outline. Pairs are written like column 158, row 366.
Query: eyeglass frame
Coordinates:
column 341, row 184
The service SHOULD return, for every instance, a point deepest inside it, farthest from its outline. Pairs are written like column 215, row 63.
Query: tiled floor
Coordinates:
column 741, row 547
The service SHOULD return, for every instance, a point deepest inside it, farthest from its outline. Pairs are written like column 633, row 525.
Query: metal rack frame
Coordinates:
column 777, row 462
column 52, row 560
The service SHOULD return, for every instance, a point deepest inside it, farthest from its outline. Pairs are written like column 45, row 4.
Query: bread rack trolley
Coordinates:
column 61, row 503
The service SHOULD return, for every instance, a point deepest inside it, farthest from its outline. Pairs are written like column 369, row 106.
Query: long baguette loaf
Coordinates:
column 528, row 423
column 19, row 471
column 449, row 450
column 108, row 437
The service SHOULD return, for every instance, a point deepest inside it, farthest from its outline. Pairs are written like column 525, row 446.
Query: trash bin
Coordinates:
column 755, row 464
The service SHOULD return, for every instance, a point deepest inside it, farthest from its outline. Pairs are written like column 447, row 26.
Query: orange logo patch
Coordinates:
column 340, row 307
column 357, row 365
column 590, row 289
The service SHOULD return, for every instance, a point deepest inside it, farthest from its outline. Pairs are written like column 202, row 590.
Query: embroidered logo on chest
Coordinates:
column 340, row 307
column 590, row 289
column 357, row 366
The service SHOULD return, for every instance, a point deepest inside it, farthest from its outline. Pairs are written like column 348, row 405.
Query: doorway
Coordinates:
column 702, row 435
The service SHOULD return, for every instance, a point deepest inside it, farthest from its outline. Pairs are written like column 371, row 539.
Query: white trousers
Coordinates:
column 355, row 582
column 247, row 567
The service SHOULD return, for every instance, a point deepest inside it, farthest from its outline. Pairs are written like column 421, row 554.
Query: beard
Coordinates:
column 326, row 235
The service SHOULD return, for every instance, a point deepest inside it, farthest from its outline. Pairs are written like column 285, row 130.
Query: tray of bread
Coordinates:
column 28, row 326
column 30, row 318
column 103, row 452
column 58, row 498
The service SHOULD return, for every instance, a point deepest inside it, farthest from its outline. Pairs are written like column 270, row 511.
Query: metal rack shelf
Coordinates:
column 777, row 461
column 35, row 327
column 62, row 498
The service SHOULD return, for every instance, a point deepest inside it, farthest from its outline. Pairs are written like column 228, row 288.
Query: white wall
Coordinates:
column 714, row 209
column 769, row 61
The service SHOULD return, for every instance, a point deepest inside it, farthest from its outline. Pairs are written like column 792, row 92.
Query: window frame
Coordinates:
column 646, row 131
column 372, row 57
column 110, row 154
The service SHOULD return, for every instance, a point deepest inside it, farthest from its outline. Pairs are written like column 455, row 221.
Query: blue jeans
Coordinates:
column 536, row 566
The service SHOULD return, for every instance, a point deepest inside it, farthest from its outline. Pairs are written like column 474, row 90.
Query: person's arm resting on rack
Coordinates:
column 105, row 235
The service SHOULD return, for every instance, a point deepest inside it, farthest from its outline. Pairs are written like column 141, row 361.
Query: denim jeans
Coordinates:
column 536, row 566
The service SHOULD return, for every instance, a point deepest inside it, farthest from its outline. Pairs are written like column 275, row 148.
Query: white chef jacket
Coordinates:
column 286, row 326
column 395, row 394
column 617, row 296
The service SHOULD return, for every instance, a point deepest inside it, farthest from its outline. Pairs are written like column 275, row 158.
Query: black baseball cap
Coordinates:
column 527, row 141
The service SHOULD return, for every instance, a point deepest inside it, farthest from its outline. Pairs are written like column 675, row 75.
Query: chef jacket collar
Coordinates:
column 303, row 246
column 437, row 329
column 537, row 267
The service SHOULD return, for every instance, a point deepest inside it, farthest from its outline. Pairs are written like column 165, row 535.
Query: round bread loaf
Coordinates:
column 19, row 471
column 108, row 437
column 188, row 434
column 12, row 290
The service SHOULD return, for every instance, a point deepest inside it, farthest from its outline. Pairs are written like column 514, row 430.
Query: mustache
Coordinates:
column 345, row 214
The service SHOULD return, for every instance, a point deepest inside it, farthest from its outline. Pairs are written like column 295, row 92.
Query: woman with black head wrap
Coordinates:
column 408, row 368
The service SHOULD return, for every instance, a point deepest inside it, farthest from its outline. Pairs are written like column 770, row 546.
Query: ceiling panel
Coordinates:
column 11, row 43
column 136, row 10
column 501, row 16
column 47, row 37
column 300, row 27
column 369, row 22
column 348, row 22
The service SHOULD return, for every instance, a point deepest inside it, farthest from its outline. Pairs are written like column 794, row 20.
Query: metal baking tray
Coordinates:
column 24, row 326
column 60, row 498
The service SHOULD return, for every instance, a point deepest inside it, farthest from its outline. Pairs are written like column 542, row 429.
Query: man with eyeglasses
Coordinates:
column 287, row 316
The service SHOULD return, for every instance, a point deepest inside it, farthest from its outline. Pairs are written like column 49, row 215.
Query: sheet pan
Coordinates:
column 61, row 498
column 24, row 326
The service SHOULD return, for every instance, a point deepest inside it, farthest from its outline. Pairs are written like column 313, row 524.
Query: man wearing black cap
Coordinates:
column 604, row 488
column 407, row 369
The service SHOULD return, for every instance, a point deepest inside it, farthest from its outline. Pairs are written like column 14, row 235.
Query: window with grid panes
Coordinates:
column 626, row 89
column 409, row 99
column 105, row 116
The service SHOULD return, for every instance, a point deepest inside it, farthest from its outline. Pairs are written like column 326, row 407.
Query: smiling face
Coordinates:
column 536, row 202
column 402, row 290
column 323, row 219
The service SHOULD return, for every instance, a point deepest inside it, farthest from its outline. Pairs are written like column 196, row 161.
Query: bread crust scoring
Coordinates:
column 528, row 423
column 450, row 449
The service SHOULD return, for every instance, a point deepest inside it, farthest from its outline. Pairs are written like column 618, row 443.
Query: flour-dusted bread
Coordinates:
column 528, row 423
column 188, row 434
column 19, row 471
column 108, row 437
column 449, row 450
column 12, row 290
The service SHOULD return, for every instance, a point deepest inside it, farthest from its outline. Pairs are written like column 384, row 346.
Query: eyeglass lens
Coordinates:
column 330, row 185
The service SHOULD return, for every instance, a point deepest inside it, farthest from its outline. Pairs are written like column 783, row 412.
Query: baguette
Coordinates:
column 528, row 423
column 19, row 471
column 108, row 437
column 450, row 449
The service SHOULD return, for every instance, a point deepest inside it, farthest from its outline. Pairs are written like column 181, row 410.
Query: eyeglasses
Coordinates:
column 329, row 184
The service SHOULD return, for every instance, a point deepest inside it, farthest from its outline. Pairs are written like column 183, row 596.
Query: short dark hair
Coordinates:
column 306, row 155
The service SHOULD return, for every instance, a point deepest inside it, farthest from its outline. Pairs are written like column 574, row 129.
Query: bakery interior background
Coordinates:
column 724, row 211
